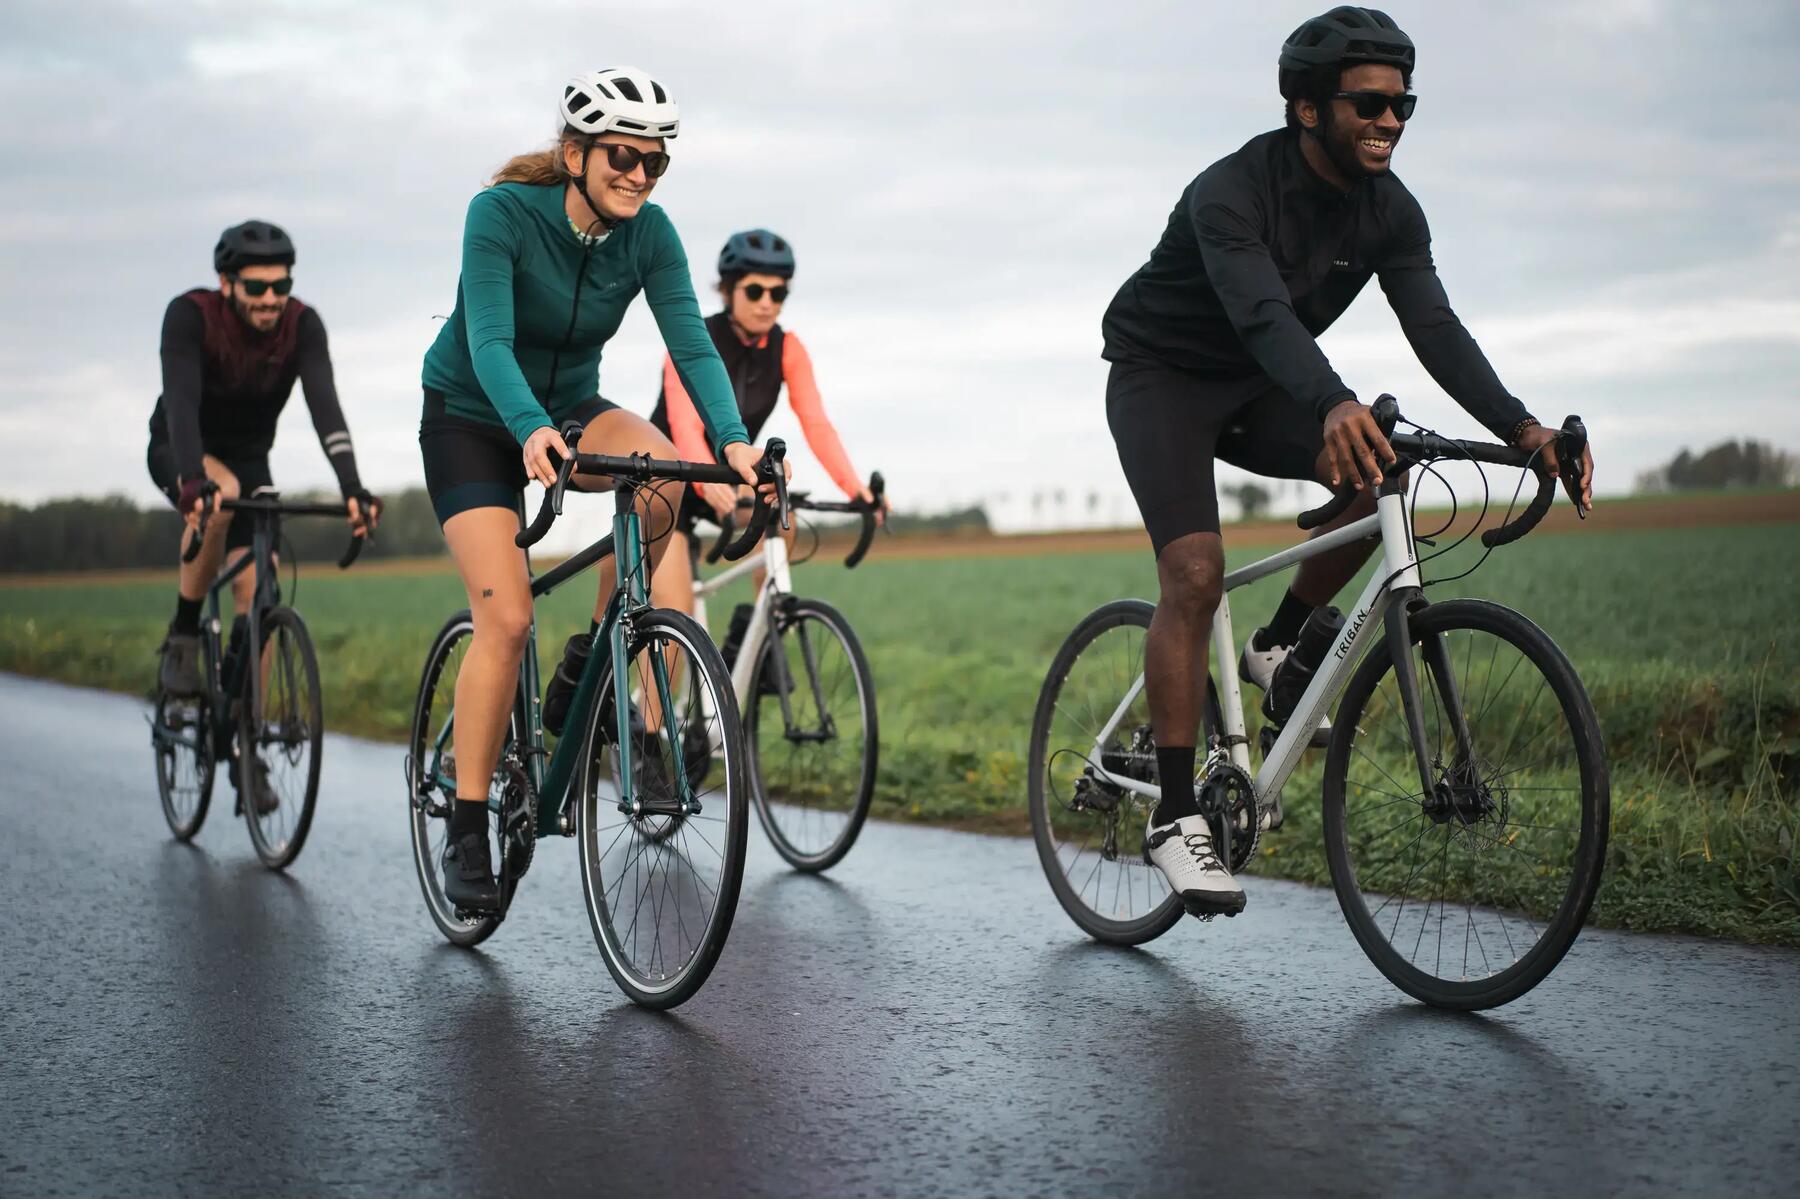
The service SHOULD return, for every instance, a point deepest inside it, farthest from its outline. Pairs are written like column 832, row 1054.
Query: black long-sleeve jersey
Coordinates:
column 1261, row 255
column 224, row 385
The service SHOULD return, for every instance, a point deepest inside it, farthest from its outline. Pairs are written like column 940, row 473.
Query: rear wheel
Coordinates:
column 431, row 782
column 813, row 758
column 1090, row 831
column 281, row 739
column 661, row 871
column 181, row 738
column 1466, row 894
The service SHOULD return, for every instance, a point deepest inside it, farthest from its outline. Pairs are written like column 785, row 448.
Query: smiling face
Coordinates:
column 263, row 312
column 755, row 317
column 615, row 195
column 1356, row 146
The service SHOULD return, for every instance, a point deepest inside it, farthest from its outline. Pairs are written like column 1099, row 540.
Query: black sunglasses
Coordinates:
column 754, row 292
column 624, row 159
column 1369, row 105
column 256, row 287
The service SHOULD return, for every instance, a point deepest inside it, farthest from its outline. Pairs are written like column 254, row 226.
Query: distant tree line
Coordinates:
column 113, row 533
column 973, row 519
column 1728, row 464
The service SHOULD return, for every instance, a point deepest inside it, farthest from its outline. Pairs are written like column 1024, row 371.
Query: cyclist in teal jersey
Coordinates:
column 554, row 251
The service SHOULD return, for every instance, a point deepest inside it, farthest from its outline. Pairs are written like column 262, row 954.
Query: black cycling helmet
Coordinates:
column 1347, row 35
column 756, row 252
column 253, row 243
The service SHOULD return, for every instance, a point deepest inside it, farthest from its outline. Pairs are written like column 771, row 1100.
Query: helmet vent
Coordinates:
column 629, row 90
column 577, row 100
column 656, row 89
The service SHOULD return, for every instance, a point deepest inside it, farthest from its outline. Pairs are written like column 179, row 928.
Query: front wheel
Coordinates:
column 1092, row 727
column 662, row 847
column 812, row 735
column 281, row 739
column 1467, row 892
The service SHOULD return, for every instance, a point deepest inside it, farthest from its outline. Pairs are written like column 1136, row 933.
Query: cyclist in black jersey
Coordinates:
column 229, row 361
column 1213, row 352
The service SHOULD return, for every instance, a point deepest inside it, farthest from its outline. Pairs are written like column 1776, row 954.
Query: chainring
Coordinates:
column 518, row 812
column 1228, row 800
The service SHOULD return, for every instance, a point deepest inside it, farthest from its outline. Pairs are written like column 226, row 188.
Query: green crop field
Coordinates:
column 1686, row 638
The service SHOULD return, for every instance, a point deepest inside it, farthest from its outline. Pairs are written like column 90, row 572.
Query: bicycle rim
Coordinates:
column 813, row 763
column 1467, row 894
column 181, row 741
column 1089, row 833
column 431, row 782
column 661, row 892
column 282, row 737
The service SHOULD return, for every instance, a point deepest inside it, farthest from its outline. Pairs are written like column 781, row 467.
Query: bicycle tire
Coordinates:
column 422, row 823
column 621, row 870
column 1160, row 915
column 1475, row 836
column 803, row 858
column 301, row 745
column 167, row 744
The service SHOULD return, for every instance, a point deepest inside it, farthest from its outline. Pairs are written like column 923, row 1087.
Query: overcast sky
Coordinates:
column 1612, row 186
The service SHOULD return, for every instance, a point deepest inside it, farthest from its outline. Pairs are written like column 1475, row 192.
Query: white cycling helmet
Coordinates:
column 619, row 100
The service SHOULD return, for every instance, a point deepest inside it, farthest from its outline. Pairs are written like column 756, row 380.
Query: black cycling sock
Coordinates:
column 1284, row 628
column 1175, row 773
column 468, row 816
column 593, row 627
column 187, row 615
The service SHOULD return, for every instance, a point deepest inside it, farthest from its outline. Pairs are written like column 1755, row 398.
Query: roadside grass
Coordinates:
column 1685, row 638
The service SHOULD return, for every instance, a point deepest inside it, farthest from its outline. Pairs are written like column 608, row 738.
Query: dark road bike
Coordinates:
column 259, row 710
column 661, row 845
column 1466, row 794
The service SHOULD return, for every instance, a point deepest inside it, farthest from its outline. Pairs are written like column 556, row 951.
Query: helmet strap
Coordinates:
column 580, row 184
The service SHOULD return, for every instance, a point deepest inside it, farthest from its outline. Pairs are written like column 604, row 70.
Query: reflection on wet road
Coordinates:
column 922, row 1020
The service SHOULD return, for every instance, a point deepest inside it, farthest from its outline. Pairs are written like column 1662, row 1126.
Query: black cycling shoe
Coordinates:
column 469, row 881
column 561, row 690
column 262, row 792
column 179, row 673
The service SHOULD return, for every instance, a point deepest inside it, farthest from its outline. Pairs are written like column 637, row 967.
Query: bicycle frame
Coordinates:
column 266, row 596
column 779, row 582
column 552, row 773
column 1397, row 577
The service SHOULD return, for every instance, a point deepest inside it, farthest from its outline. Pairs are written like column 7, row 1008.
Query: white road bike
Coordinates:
column 1465, row 794
column 806, row 693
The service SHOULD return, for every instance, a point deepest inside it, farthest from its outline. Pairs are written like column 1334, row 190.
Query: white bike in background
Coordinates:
column 1466, row 794
column 808, row 699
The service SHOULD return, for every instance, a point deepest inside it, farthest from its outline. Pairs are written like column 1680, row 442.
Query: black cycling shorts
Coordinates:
column 1169, row 425
column 472, row 464
column 253, row 479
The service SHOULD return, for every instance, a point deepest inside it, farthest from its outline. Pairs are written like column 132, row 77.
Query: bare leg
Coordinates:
column 493, row 573
column 197, row 576
column 1319, row 579
column 619, row 433
column 1190, row 572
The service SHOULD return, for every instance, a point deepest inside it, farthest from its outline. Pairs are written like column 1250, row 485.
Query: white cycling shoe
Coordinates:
column 1257, row 667
column 1183, row 851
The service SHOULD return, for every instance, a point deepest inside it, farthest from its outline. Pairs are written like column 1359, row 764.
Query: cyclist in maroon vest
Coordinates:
column 229, row 361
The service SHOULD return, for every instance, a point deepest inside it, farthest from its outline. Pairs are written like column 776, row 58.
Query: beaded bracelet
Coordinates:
column 1518, row 430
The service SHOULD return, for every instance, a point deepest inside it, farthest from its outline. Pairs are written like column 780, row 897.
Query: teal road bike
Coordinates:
column 660, row 834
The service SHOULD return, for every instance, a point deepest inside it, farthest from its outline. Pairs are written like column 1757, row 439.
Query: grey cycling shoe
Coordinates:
column 179, row 673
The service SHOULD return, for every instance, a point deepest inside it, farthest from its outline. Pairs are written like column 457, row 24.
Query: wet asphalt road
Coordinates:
column 923, row 1021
